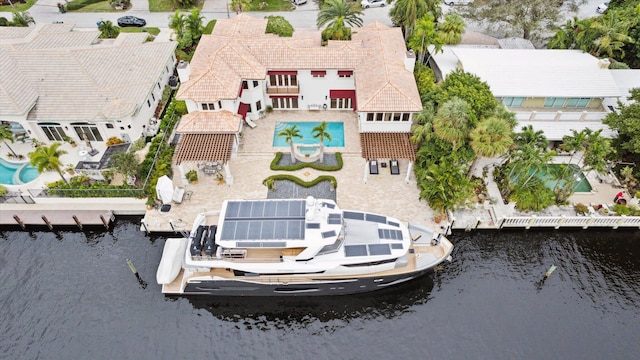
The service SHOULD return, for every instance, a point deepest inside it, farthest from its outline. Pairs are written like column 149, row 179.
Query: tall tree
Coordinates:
column 492, row 137
column 451, row 29
column 405, row 13
column 471, row 89
column 524, row 18
column 627, row 123
column 423, row 124
column 108, row 30
column 424, row 35
column 7, row 134
column 452, row 122
column 125, row 162
column 444, row 185
column 289, row 133
column 47, row 158
column 333, row 11
column 320, row 132
column 176, row 23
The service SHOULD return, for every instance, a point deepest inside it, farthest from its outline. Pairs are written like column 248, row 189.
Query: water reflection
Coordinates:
column 281, row 312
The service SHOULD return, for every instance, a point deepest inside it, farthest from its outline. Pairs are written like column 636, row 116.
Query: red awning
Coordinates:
column 319, row 72
column 345, row 72
column 243, row 109
column 342, row 94
column 279, row 72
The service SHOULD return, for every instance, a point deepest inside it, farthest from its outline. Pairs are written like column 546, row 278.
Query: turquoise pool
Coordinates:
column 582, row 184
column 336, row 129
column 16, row 173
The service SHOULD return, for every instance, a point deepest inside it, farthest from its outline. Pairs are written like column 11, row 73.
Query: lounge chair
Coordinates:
column 395, row 168
column 373, row 167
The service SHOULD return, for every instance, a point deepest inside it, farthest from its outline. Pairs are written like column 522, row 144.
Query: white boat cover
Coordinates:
column 171, row 261
column 164, row 189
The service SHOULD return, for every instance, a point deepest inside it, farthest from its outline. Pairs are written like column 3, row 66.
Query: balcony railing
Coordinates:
column 271, row 90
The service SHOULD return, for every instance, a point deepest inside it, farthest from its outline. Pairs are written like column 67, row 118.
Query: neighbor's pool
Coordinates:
column 336, row 129
column 16, row 173
column 582, row 184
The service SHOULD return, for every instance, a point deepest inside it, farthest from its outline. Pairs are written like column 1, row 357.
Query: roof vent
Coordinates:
column 604, row 63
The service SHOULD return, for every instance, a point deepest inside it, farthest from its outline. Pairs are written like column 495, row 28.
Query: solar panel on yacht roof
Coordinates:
column 379, row 249
column 355, row 250
column 390, row 234
column 264, row 220
column 334, row 219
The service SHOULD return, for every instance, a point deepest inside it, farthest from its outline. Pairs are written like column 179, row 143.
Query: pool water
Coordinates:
column 16, row 173
column 336, row 129
column 581, row 186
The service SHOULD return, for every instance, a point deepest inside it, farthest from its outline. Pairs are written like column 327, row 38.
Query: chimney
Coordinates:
column 410, row 61
column 184, row 71
column 604, row 63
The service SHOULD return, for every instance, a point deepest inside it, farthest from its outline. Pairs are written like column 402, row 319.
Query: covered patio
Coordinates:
column 387, row 149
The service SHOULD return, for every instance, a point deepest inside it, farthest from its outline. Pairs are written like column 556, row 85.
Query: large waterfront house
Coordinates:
column 60, row 84
column 238, row 71
column 555, row 91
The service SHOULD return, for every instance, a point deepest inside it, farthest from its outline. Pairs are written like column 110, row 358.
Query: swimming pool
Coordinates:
column 16, row 173
column 336, row 129
column 581, row 186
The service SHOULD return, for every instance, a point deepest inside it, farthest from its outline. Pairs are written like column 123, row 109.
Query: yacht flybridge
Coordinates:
column 296, row 247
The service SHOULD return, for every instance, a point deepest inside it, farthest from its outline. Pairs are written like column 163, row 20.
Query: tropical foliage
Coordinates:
column 47, row 158
column 188, row 29
column 22, row 19
column 126, row 163
column 615, row 34
column 405, row 13
column 279, row 25
column 108, row 30
column 627, row 124
column 240, row 5
column 339, row 11
column 6, row 134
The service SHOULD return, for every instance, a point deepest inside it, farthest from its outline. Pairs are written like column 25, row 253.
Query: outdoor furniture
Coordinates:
column 178, row 195
column 395, row 168
column 373, row 167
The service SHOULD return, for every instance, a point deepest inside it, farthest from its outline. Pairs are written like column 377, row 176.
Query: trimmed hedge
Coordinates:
column 300, row 165
column 297, row 180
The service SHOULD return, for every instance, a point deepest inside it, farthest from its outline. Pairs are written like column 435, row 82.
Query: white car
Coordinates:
column 602, row 8
column 373, row 3
column 457, row 2
column 298, row 2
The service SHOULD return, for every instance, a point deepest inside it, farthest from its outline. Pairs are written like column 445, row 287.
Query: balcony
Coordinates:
column 283, row 90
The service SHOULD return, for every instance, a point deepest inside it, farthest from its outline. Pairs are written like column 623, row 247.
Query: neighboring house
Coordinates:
column 626, row 80
column 241, row 70
column 555, row 91
column 57, row 82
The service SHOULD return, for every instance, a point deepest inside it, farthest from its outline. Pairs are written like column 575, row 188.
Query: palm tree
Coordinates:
column 108, row 30
column 451, row 29
column 424, row 34
column 612, row 35
column 492, row 137
column 444, row 185
column 125, row 163
column 47, row 158
column 22, row 19
column 333, row 11
column 7, row 134
column 452, row 122
column 289, row 133
column 320, row 132
column 193, row 23
column 423, row 126
column 176, row 23
column 530, row 137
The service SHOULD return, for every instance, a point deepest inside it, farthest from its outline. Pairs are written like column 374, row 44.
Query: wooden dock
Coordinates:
column 57, row 218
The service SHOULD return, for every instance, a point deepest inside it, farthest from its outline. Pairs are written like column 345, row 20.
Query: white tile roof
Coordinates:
column 74, row 78
column 239, row 49
column 626, row 80
column 533, row 73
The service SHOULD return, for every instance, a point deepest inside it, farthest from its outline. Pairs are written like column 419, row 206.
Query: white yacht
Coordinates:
column 298, row 247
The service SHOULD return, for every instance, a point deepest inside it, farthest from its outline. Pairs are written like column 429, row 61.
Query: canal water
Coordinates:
column 71, row 295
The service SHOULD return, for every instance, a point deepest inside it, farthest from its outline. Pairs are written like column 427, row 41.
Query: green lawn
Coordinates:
column 151, row 30
column 168, row 6
column 272, row 5
column 102, row 6
column 20, row 7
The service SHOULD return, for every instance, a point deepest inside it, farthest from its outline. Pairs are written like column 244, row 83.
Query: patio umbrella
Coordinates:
column 164, row 189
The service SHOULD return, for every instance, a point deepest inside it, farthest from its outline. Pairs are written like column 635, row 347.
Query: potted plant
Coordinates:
column 220, row 178
column 150, row 202
column 269, row 109
column 70, row 141
column 70, row 169
column 192, row 176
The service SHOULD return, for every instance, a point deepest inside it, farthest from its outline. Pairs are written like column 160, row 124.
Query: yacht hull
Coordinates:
column 316, row 287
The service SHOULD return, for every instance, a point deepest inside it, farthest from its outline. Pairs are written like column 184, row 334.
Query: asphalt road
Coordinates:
column 304, row 16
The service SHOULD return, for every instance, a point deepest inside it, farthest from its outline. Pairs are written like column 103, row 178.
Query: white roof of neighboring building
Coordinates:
column 556, row 130
column 71, row 76
column 626, row 80
column 532, row 73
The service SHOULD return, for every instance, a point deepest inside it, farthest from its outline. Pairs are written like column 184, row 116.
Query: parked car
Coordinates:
column 131, row 21
column 298, row 2
column 457, row 2
column 602, row 8
column 373, row 3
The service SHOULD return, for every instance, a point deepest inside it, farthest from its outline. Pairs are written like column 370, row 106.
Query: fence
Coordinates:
column 557, row 222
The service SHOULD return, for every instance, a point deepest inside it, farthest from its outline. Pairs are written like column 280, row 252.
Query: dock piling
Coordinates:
column 142, row 283
column 104, row 222
column 19, row 221
column 75, row 218
column 46, row 221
